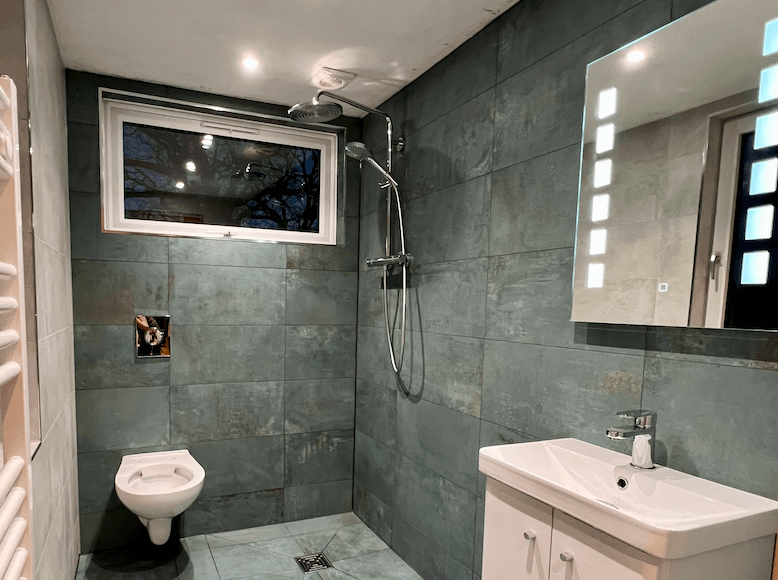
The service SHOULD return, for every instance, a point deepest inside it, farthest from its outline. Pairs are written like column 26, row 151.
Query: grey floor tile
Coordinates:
column 288, row 575
column 248, row 536
column 353, row 541
column 313, row 542
column 286, row 546
column 384, row 565
column 195, row 544
column 242, row 561
column 197, row 565
column 323, row 523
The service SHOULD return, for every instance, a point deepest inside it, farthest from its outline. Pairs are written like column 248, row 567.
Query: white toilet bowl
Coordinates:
column 158, row 486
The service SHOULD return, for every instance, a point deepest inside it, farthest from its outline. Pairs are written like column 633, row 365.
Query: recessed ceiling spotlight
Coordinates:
column 636, row 55
column 190, row 166
column 250, row 62
column 180, row 184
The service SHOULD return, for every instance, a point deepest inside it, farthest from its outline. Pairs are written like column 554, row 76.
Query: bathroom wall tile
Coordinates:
column 318, row 457
column 441, row 439
column 683, row 7
column 742, row 348
column 315, row 352
column 233, row 512
column 88, row 242
column 240, row 465
column 112, row 529
column 58, row 556
column 372, row 236
column 436, row 506
column 452, row 224
column 462, row 75
column 226, row 411
column 534, row 204
column 55, row 375
column 450, row 298
column 227, row 253
column 105, row 358
column 53, row 296
column 376, row 412
column 539, row 109
column 115, row 292
column 529, row 298
column 532, row 30
column 493, row 434
column 122, row 418
column 373, row 363
column 317, row 499
column 375, row 513
column 342, row 258
column 51, row 471
column 81, row 98
column 318, row 405
column 83, row 158
column 317, row 297
column 226, row 295
column 712, row 417
column 478, row 547
column 550, row 392
column 96, row 472
column 427, row 557
column 200, row 354
column 454, row 148
column 353, row 541
column 370, row 303
column 446, row 370
column 373, row 466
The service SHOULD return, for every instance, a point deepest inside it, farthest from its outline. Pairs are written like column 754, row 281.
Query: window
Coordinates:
column 182, row 172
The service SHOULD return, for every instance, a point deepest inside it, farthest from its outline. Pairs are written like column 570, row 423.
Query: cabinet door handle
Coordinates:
column 566, row 556
column 530, row 535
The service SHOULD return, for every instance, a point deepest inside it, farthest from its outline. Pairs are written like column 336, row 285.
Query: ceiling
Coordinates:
column 200, row 44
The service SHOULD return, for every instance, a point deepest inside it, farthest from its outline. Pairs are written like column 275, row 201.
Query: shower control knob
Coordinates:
column 530, row 535
column 566, row 556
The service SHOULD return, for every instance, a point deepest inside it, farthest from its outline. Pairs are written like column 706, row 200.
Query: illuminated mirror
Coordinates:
column 679, row 175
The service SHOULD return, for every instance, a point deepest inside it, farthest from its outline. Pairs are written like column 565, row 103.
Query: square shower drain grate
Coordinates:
column 313, row 562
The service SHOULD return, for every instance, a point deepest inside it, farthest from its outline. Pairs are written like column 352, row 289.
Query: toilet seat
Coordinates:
column 160, row 473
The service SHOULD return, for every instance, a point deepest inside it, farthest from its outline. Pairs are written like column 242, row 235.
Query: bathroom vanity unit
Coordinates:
column 569, row 510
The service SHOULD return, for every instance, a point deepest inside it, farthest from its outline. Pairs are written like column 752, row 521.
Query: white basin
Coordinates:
column 663, row 512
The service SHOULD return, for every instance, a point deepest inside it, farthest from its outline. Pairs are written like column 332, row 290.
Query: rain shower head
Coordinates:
column 315, row 112
column 358, row 151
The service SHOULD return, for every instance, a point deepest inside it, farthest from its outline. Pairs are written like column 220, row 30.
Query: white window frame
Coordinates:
column 114, row 112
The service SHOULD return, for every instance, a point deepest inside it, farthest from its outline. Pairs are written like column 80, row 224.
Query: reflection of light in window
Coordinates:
column 770, row 37
column 190, row 166
column 596, row 276
column 755, row 266
column 768, row 84
column 207, row 141
column 606, row 103
column 597, row 242
column 180, row 184
column 600, row 207
column 766, row 131
column 764, row 176
column 759, row 222
column 602, row 172
column 605, row 136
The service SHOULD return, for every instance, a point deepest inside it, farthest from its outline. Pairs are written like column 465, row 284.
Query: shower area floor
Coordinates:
column 264, row 553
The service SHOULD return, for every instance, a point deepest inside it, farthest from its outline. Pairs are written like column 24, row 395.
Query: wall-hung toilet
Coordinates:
column 158, row 486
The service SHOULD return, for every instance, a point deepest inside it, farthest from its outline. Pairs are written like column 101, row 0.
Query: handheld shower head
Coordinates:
column 315, row 112
column 358, row 151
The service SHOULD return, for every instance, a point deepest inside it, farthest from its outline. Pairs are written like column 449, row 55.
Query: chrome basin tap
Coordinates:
column 643, row 431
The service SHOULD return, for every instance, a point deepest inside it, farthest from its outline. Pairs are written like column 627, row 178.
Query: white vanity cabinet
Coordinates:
column 590, row 554
column 517, row 535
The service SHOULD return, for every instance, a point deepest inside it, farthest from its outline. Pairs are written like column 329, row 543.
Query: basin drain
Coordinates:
column 313, row 562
